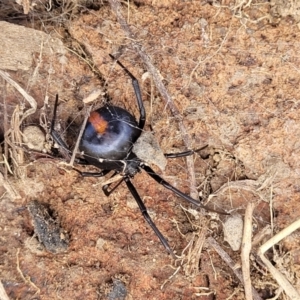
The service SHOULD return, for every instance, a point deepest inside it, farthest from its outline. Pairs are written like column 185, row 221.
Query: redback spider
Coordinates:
column 107, row 143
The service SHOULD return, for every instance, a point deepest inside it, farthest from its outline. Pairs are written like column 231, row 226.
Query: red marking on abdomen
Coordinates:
column 98, row 122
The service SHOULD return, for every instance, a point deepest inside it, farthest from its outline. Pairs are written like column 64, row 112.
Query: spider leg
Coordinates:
column 106, row 187
column 92, row 174
column 145, row 214
column 183, row 154
column 138, row 94
column 168, row 186
column 101, row 174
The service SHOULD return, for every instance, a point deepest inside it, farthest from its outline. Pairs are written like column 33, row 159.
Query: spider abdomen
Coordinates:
column 108, row 137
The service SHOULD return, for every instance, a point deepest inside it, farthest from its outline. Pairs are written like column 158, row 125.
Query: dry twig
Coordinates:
column 5, row 126
column 246, row 249
column 27, row 278
column 87, row 113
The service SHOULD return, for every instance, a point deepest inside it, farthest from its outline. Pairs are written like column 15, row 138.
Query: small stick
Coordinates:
column 5, row 125
column 246, row 249
column 27, row 278
column 87, row 113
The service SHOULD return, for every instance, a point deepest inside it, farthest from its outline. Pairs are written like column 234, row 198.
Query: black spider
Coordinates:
column 107, row 143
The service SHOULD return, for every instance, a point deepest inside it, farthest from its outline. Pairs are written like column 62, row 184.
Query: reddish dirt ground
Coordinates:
column 233, row 73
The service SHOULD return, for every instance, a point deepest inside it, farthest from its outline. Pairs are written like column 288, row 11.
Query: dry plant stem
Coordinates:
column 116, row 7
column 231, row 264
column 5, row 125
column 27, row 278
column 283, row 282
column 87, row 113
column 3, row 295
column 246, row 249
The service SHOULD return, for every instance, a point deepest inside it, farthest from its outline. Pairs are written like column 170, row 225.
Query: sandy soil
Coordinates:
column 232, row 71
